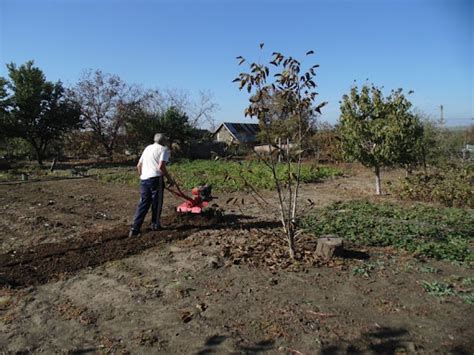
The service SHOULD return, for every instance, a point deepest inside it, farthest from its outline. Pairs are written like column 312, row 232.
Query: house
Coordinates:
column 237, row 133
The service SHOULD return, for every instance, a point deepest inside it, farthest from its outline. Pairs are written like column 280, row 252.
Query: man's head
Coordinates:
column 160, row 138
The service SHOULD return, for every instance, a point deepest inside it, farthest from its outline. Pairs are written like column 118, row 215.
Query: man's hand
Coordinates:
column 164, row 171
column 170, row 182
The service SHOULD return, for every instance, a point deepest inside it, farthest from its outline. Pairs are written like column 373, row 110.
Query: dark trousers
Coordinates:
column 151, row 193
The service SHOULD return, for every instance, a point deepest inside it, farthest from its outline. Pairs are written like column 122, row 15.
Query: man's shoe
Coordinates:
column 133, row 233
column 156, row 227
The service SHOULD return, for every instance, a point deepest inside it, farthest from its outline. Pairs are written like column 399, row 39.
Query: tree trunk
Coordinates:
column 110, row 152
column 423, row 152
column 378, row 189
column 53, row 164
column 39, row 156
column 291, row 241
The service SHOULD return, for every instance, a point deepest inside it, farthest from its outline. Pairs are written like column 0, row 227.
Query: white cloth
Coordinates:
column 151, row 158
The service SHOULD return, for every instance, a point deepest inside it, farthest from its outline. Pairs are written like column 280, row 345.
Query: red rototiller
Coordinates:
column 202, row 195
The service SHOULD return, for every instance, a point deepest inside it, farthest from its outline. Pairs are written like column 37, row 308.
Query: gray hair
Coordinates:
column 160, row 138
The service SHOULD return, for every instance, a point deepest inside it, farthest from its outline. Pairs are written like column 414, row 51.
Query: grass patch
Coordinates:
column 441, row 233
column 226, row 176
column 33, row 174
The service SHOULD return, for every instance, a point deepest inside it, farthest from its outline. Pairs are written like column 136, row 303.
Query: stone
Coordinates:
column 4, row 301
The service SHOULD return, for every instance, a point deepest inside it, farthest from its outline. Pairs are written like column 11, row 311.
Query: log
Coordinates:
column 328, row 246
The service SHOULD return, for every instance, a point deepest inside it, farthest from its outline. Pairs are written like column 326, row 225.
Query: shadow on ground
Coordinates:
column 213, row 345
column 386, row 340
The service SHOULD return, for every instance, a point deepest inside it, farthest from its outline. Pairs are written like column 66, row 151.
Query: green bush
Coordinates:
column 450, row 186
column 441, row 233
column 17, row 148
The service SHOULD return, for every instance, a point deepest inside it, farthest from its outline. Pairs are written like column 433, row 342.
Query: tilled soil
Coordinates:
column 48, row 261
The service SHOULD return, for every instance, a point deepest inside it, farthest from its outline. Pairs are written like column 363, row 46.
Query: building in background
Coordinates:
column 237, row 133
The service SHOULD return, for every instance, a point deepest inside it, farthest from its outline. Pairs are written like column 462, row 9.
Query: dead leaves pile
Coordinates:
column 263, row 248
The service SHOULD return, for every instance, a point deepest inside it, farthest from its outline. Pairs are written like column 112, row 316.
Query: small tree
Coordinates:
column 378, row 131
column 294, row 91
column 106, row 103
column 142, row 125
column 36, row 110
column 175, row 125
column 4, row 114
column 278, row 126
column 325, row 143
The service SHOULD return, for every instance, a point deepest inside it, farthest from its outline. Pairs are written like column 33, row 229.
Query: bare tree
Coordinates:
column 106, row 102
column 200, row 109
column 295, row 93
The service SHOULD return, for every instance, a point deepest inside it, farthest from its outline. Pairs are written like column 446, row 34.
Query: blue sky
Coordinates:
column 420, row 45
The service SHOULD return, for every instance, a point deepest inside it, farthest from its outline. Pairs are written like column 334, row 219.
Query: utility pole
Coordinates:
column 441, row 118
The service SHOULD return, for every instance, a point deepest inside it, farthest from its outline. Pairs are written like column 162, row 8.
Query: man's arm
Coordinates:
column 139, row 168
column 164, row 171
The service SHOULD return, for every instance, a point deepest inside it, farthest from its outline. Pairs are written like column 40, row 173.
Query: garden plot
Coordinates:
column 213, row 286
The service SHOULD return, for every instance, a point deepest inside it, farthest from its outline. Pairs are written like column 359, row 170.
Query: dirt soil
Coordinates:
column 72, row 281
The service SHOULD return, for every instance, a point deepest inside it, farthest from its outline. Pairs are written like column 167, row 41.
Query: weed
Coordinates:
column 363, row 269
column 468, row 281
column 467, row 297
column 466, row 292
column 407, row 267
column 438, row 289
column 429, row 269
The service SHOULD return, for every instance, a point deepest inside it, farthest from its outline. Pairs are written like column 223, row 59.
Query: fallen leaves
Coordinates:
column 262, row 248
column 69, row 311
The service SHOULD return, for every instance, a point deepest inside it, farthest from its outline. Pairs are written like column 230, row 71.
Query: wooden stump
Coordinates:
column 328, row 245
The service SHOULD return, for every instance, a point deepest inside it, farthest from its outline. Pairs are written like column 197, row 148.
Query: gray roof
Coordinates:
column 243, row 132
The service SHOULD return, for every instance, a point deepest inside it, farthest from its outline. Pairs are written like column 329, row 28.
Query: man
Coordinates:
column 152, row 168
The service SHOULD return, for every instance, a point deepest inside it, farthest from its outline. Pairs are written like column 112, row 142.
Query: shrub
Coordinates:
column 450, row 186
